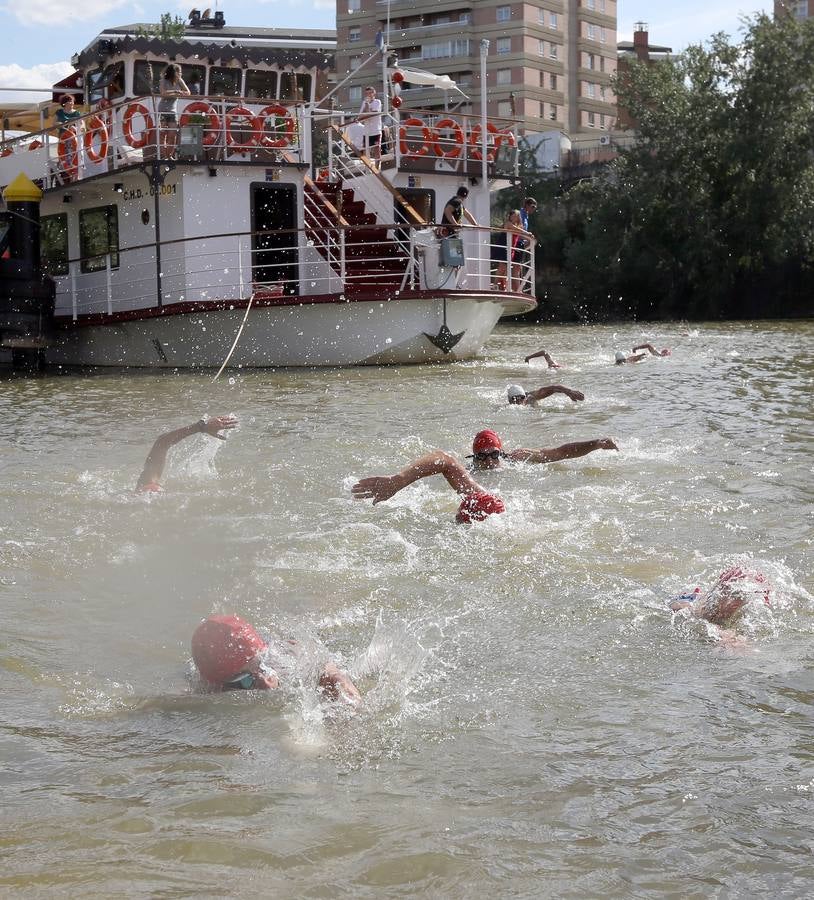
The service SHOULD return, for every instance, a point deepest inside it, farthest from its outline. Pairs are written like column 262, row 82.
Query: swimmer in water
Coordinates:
column 665, row 351
column 726, row 600
column 488, row 452
column 546, row 357
column 150, row 477
column 518, row 396
column 475, row 506
column 231, row 656
column 622, row 358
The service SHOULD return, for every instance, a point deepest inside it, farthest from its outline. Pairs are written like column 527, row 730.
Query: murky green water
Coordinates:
column 535, row 723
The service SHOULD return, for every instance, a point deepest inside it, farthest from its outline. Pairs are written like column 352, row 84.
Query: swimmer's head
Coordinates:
column 620, row 357
column 227, row 651
column 487, row 449
column 477, row 505
column 516, row 393
column 666, row 351
column 735, row 588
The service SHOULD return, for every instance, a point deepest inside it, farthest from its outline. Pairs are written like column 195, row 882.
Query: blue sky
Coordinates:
column 39, row 36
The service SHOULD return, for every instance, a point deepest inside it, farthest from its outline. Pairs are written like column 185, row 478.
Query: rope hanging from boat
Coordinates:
column 237, row 338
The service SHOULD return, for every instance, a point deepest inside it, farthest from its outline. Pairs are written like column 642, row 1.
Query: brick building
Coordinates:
column 549, row 63
column 800, row 9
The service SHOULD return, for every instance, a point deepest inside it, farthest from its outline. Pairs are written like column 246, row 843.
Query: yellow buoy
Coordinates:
column 22, row 190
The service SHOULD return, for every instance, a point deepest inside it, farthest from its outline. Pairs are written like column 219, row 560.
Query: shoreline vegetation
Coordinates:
column 710, row 214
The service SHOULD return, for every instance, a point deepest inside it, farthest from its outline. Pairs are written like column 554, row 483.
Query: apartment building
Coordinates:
column 800, row 9
column 548, row 65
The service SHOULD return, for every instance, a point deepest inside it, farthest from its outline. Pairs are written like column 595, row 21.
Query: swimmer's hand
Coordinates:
column 218, row 423
column 336, row 685
column 574, row 395
column 606, row 444
column 377, row 488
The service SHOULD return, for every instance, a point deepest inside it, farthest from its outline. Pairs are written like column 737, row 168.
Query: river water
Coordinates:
column 536, row 723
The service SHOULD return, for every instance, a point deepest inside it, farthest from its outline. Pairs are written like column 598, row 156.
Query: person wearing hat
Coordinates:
column 518, row 396
column 150, row 477
column 477, row 504
column 488, row 452
column 665, row 351
column 621, row 358
column 546, row 356
column 230, row 655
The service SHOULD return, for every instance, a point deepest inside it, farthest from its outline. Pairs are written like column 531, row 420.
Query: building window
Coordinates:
column 354, row 62
column 553, row 82
column 541, row 16
column 446, row 49
column 504, row 76
column 541, row 48
column 590, row 32
column 354, row 34
column 503, row 45
column 98, row 237
column 354, row 5
column 601, row 63
column 504, row 13
column 602, row 94
column 552, row 21
column 601, row 35
column 588, row 89
column 590, row 4
column 601, row 121
column 504, row 108
column 590, row 61
column 54, row 244
column 591, row 117
column 355, row 94
column 553, row 50
column 552, row 112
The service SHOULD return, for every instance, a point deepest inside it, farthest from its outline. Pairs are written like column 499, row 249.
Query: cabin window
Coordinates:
column 224, row 81
column 194, row 78
column 261, row 84
column 145, row 77
column 106, row 83
column 295, row 87
column 54, row 244
column 98, row 236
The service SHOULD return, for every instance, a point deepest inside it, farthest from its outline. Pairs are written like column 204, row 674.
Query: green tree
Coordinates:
column 711, row 213
column 169, row 28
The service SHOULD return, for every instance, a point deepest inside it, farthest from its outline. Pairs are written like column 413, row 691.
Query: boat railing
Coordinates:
column 322, row 259
column 131, row 132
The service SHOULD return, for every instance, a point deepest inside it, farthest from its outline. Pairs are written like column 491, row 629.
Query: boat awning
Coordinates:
column 25, row 117
column 429, row 79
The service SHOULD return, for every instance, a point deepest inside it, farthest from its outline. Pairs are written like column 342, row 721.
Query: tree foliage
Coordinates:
column 711, row 212
column 169, row 28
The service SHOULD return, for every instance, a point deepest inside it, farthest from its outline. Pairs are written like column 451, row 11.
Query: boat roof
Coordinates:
column 25, row 117
column 310, row 47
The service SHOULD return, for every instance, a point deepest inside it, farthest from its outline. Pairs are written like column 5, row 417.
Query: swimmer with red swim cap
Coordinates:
column 477, row 504
column 150, row 477
column 732, row 591
column 230, row 655
column 488, row 452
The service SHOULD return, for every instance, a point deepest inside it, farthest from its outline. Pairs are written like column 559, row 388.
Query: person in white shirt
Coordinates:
column 370, row 117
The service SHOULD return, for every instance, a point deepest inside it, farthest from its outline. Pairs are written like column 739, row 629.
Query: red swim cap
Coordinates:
column 728, row 579
column 222, row 646
column 475, row 507
column 486, row 440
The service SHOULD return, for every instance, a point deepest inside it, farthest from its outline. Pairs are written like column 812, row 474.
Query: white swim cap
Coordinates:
column 620, row 357
column 515, row 390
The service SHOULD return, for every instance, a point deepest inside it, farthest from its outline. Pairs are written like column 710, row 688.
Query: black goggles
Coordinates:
column 487, row 454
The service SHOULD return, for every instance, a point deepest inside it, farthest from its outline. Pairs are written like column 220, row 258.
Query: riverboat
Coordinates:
column 255, row 226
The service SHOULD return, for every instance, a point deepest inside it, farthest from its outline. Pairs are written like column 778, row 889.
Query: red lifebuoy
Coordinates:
column 212, row 131
column 240, row 112
column 35, row 145
column 474, row 141
column 504, row 135
column 424, row 149
column 455, row 150
column 288, row 125
column 95, row 125
column 68, row 155
column 147, row 133
column 7, row 152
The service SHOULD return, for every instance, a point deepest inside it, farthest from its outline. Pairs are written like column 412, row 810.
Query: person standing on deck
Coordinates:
column 370, row 117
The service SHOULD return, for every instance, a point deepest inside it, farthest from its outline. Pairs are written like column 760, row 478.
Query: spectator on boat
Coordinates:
column 67, row 112
column 150, row 477
column 518, row 396
column 665, row 351
column 230, row 655
column 529, row 208
column 506, row 247
column 476, row 505
column 454, row 212
column 69, row 119
column 622, row 358
column 370, row 117
column 546, row 356
column 171, row 87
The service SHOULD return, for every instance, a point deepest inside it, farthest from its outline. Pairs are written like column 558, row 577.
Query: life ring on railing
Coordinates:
column 7, row 152
column 211, row 131
column 35, row 145
column 68, row 155
column 504, row 135
column 455, row 150
column 95, row 125
column 148, row 132
column 288, row 124
column 426, row 131
column 474, row 142
column 240, row 112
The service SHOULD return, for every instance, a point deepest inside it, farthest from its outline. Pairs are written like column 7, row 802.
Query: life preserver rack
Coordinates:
column 452, row 147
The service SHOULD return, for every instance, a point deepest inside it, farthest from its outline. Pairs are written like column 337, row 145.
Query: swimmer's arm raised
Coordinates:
column 546, row 356
column 437, row 462
column 157, row 457
column 566, row 451
column 543, row 392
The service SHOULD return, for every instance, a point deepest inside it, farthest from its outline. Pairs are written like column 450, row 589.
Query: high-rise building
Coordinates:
column 549, row 62
column 800, row 9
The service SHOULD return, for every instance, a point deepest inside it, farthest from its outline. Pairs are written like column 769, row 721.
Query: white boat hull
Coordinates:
column 301, row 334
